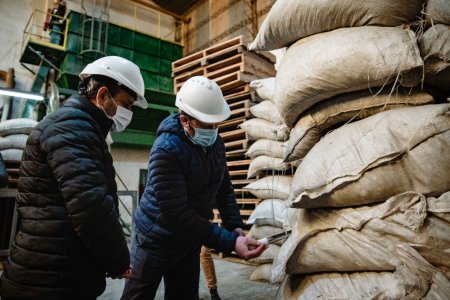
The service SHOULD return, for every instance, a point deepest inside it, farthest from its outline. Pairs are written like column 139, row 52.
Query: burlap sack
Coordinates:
column 288, row 21
column 268, row 165
column 264, row 88
column 344, row 60
column 269, row 212
column 366, row 238
column 434, row 47
column 262, row 273
column 12, row 154
column 438, row 11
column 261, row 129
column 267, row 110
column 17, row 126
column 268, row 255
column 276, row 187
column 266, row 147
column 415, row 278
column 14, row 141
column 367, row 161
column 315, row 122
column 354, row 286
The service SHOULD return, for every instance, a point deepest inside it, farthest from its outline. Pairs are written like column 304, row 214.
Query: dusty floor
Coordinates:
column 233, row 284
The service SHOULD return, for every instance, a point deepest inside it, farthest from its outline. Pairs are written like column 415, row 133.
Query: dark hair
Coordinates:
column 89, row 86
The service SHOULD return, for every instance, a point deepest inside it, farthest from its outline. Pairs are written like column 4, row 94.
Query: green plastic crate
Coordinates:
column 68, row 81
column 134, row 138
column 165, row 84
column 166, row 50
column 75, row 22
column 73, row 42
column 120, row 51
column 151, row 80
column 114, row 34
column 146, row 44
column 120, row 36
column 146, row 61
column 177, row 52
column 165, row 67
column 160, row 98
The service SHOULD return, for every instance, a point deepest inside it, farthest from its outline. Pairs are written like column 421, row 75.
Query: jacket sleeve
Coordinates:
column 3, row 173
column 226, row 203
column 75, row 153
column 169, row 184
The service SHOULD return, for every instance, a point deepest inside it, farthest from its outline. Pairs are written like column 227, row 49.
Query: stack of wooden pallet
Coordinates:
column 232, row 67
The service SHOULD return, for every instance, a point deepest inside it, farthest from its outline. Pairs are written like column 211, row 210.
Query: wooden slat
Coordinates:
column 235, row 153
column 224, row 45
column 238, row 172
column 187, row 59
column 237, row 145
column 233, row 123
column 233, row 135
column 242, row 181
column 240, row 89
column 245, row 162
column 248, row 201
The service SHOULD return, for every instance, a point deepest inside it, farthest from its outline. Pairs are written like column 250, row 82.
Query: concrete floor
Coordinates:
column 233, row 284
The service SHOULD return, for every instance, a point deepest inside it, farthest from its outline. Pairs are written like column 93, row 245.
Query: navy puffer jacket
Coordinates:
column 185, row 181
column 70, row 235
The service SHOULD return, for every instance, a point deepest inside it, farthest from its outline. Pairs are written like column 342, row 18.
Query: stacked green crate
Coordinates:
column 154, row 57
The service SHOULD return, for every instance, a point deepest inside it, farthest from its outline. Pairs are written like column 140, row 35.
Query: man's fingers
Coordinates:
column 255, row 252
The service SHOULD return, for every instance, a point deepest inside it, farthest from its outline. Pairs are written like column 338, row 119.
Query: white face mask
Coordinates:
column 121, row 119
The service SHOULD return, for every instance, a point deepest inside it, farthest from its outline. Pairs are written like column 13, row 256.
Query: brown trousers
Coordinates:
column 207, row 263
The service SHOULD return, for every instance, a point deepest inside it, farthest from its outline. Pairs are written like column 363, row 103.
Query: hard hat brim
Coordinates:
column 141, row 102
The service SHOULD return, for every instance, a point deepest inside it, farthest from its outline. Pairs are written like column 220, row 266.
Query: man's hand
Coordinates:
column 248, row 248
column 239, row 231
column 125, row 275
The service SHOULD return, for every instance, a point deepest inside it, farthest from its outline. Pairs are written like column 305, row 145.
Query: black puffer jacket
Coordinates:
column 70, row 235
column 185, row 181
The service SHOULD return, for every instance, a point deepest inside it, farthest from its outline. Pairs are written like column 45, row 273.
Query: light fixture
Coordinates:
column 20, row 94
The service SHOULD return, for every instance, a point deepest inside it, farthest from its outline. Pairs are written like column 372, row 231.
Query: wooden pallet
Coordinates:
column 12, row 168
column 237, row 145
column 209, row 55
column 240, row 89
column 229, row 80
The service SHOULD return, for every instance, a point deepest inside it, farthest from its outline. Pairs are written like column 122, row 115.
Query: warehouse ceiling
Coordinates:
column 176, row 6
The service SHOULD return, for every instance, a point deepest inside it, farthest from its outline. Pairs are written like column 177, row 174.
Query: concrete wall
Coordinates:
column 213, row 21
column 128, row 162
column 15, row 14
column 13, row 19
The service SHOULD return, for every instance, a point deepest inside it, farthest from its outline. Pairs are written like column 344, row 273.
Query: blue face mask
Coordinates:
column 204, row 137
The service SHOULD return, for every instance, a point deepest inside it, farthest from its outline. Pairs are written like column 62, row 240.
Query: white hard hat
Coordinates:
column 202, row 99
column 123, row 71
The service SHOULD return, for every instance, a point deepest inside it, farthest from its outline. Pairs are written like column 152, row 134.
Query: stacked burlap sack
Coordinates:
column 13, row 137
column 364, row 190
column 371, row 187
column 268, row 134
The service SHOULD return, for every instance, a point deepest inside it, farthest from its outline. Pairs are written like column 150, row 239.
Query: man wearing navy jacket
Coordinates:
column 187, row 177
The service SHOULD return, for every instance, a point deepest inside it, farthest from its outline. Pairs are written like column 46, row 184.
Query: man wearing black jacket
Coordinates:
column 70, row 237
column 187, row 177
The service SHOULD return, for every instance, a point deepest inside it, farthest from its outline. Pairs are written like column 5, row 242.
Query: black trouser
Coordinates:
column 150, row 265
